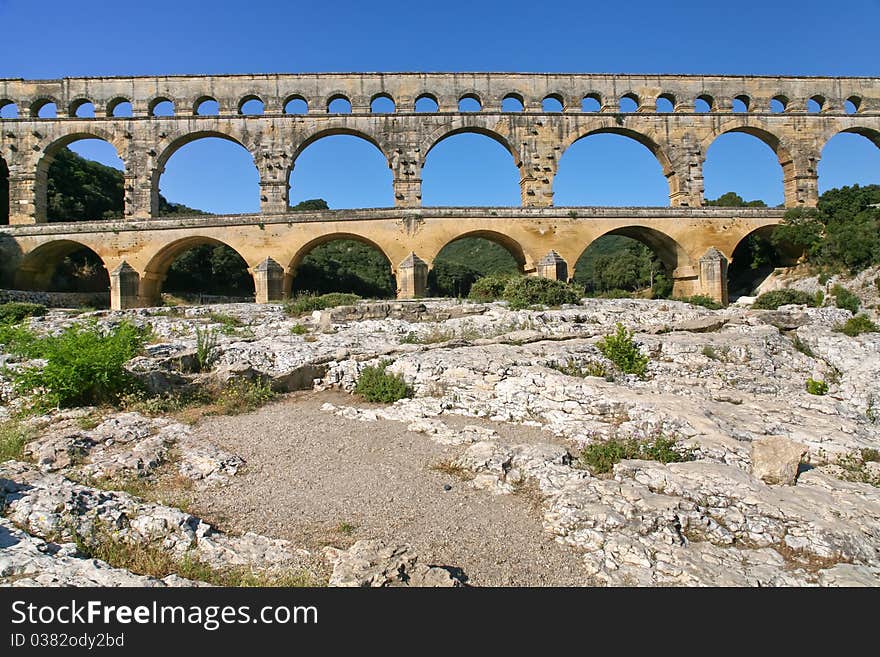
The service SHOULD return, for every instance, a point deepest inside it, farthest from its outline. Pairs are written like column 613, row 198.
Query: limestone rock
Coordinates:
column 775, row 459
column 370, row 563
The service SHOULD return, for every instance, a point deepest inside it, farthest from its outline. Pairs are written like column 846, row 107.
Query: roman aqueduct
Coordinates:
column 676, row 117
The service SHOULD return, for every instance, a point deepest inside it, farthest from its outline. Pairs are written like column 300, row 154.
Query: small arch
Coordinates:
column 465, row 260
column 119, row 107
column 338, row 104
column 296, row 104
column 63, row 266
column 382, row 104
column 512, row 102
column 815, row 104
column 206, row 106
column 251, row 105
column 629, row 102
column 591, row 102
column 508, row 243
column 161, row 107
column 342, row 262
column 741, row 104
column 552, row 103
column 778, row 104
column 82, row 108
column 44, row 108
column 195, row 266
column 665, row 103
column 8, row 109
column 426, row 103
column 704, row 103
column 470, row 102
column 852, row 104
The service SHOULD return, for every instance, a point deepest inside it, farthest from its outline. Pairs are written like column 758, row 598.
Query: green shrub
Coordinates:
column 702, row 300
column 525, row 291
column 14, row 311
column 243, row 396
column 816, row 387
column 592, row 368
column 772, row 300
column 375, row 385
column 84, row 365
column 306, row 303
column 823, row 278
column 819, row 299
column 489, row 288
column 298, row 329
column 600, row 458
column 13, row 438
column 857, row 325
column 845, row 299
column 206, row 347
column 620, row 349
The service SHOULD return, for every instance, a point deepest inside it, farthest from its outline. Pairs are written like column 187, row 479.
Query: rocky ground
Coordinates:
column 476, row 478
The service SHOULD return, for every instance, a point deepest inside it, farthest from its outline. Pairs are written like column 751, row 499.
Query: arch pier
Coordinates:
column 695, row 244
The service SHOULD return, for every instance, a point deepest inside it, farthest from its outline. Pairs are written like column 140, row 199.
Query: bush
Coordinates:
column 620, row 349
column 206, row 347
column 84, row 365
column 375, row 385
column 298, row 329
column 702, row 300
column 489, row 288
column 845, row 299
column 306, row 303
column 857, row 325
column 13, row 312
column 13, row 438
column 600, row 458
column 525, row 291
column 243, row 396
column 772, row 300
column 816, row 387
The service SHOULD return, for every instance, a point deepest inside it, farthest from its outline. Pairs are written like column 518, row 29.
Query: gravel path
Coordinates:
column 317, row 479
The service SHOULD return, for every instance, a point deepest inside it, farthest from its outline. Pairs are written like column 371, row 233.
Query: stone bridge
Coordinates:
column 676, row 117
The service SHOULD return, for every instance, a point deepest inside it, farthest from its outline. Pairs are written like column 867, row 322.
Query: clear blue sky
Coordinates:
column 48, row 39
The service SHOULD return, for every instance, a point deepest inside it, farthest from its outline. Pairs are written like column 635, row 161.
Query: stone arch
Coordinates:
column 554, row 97
column 630, row 96
column 708, row 99
column 76, row 104
column 157, row 268
column 469, row 95
column 37, row 267
column 594, row 96
column 383, row 95
column 197, row 104
column 427, row 95
column 741, row 278
column 338, row 95
column 871, row 134
column 151, row 107
column 672, row 177
column 246, row 99
column 5, row 102
column 334, row 131
column 665, row 96
column 292, row 97
column 50, row 150
column 829, row 175
column 448, row 131
column 39, row 103
column 115, row 103
column 174, row 143
column 517, row 98
column 299, row 256
column 511, row 245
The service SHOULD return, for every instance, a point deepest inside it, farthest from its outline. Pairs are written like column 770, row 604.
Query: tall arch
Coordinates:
column 567, row 188
column 337, row 165
column 851, row 156
column 94, row 205
column 218, row 162
column 471, row 171
column 341, row 262
column 746, row 158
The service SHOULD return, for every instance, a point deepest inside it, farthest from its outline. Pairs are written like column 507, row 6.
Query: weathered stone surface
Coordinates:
column 374, row 564
column 775, row 459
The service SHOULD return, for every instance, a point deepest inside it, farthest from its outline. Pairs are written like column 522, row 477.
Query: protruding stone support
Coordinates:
column 275, row 166
column 407, row 172
column 269, row 281
column 124, row 285
column 537, row 170
column 274, row 196
column 412, row 278
column 553, row 266
column 713, row 275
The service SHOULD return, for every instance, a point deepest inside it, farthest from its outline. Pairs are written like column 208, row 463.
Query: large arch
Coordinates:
column 667, row 176
column 174, row 144
column 380, row 190
column 159, row 265
column 772, row 141
column 510, row 244
column 464, row 260
column 37, row 269
column 754, row 257
column 851, row 156
column 667, row 249
column 49, row 154
column 343, row 271
column 454, row 170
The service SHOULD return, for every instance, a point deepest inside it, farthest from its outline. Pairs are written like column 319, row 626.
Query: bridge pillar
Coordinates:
column 553, row 266
column 537, row 170
column 23, row 200
column 684, row 172
column 713, row 275
column 269, row 281
column 124, row 285
column 274, row 166
column 412, row 278
column 407, row 172
column 141, row 200
column 801, row 179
